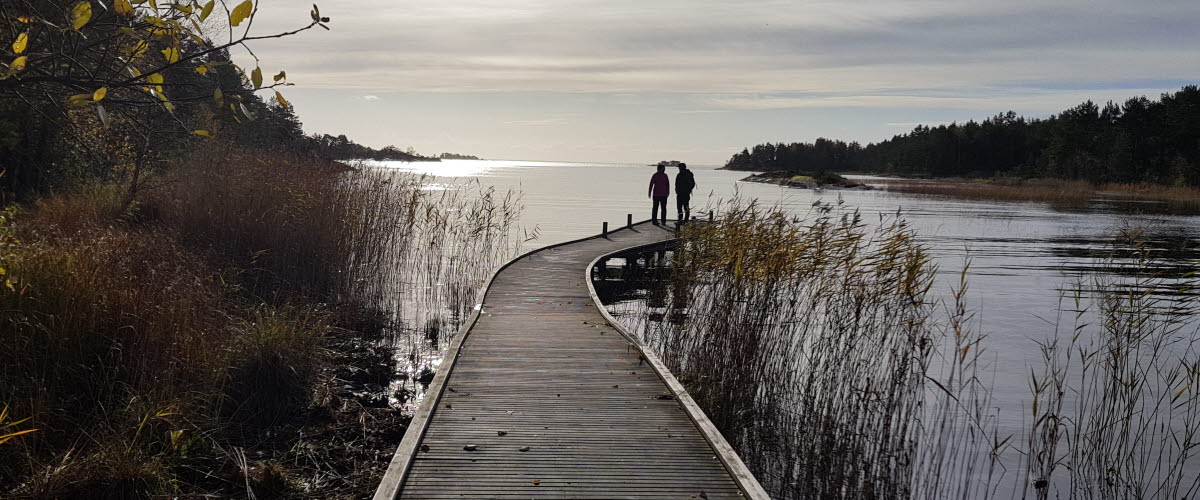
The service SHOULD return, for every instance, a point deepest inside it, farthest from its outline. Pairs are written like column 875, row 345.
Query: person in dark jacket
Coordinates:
column 685, row 182
column 660, row 189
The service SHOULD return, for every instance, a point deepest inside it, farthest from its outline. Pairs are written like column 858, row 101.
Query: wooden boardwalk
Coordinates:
column 546, row 399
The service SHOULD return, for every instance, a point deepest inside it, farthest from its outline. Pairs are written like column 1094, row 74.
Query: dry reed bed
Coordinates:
column 151, row 344
column 1173, row 199
column 816, row 348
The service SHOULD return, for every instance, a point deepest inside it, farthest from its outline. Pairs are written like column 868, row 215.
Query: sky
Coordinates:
column 639, row 81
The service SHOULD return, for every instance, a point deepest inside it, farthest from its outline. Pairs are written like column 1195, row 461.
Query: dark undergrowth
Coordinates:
column 222, row 334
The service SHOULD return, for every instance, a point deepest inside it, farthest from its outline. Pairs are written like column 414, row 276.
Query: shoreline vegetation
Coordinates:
column 1139, row 142
column 197, row 299
column 1140, row 198
column 806, row 180
column 815, row 347
column 235, row 331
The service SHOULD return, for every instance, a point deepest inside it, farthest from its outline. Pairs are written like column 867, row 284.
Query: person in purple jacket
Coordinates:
column 660, row 188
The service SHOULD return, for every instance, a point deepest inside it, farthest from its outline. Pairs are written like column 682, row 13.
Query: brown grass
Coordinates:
column 1170, row 199
column 811, row 345
column 151, row 343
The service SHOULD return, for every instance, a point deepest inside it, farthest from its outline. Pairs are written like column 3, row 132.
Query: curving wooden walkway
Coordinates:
column 542, row 370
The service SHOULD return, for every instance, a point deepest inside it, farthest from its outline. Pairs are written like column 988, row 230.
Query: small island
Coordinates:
column 806, row 180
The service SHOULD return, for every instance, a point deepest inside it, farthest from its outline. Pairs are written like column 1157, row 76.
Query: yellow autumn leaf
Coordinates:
column 282, row 102
column 207, row 9
column 99, row 94
column 256, row 77
column 123, row 8
column 18, row 64
column 21, row 43
column 171, row 54
column 154, row 79
column 201, row 69
column 282, row 75
column 153, row 5
column 218, row 96
column 81, row 14
column 240, row 13
column 25, row 19
column 138, row 49
column 204, row 133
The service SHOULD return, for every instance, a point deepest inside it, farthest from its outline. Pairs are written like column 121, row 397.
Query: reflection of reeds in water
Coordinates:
column 811, row 347
column 1115, row 410
column 426, row 254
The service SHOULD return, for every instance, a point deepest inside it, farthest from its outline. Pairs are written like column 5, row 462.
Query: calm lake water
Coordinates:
column 1023, row 255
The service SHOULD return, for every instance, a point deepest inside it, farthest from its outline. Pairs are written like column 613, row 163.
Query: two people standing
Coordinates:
column 660, row 189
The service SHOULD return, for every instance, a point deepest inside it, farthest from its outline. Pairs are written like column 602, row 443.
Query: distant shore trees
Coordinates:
column 1141, row 140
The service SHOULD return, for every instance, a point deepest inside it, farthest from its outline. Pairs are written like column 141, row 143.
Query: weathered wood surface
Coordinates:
column 542, row 366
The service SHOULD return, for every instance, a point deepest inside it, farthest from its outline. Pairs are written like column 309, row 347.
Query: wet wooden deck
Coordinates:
column 546, row 399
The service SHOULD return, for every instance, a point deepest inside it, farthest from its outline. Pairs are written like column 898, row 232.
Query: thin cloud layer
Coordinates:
column 727, row 62
column 714, row 47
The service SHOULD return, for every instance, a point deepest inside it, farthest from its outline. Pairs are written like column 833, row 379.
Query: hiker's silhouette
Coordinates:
column 685, row 182
column 660, row 189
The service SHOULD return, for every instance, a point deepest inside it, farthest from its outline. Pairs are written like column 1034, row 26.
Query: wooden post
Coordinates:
column 710, row 216
column 605, row 229
column 629, row 221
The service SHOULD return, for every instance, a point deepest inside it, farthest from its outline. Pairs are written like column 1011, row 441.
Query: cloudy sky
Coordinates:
column 641, row 81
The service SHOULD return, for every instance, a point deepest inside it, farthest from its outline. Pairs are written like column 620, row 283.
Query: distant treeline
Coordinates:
column 1138, row 141
column 341, row 148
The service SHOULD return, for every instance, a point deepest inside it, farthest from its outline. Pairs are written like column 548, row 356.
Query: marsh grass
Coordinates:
column 1060, row 193
column 1114, row 410
column 812, row 346
column 819, row 348
column 148, row 341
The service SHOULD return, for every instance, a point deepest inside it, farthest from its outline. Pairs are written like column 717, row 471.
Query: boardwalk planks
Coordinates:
column 553, row 402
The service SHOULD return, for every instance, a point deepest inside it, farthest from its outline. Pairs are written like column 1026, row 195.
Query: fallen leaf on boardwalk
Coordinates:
column 448, row 405
column 425, row 448
column 470, row 447
column 501, row 433
column 523, row 448
column 536, row 482
column 665, row 396
column 616, row 386
column 510, row 412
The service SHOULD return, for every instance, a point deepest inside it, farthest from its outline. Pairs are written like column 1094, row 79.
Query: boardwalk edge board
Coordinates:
column 398, row 469
column 728, row 456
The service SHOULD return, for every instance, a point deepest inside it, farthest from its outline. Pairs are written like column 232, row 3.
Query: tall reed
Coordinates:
column 1115, row 405
column 146, row 341
column 811, row 345
column 816, row 346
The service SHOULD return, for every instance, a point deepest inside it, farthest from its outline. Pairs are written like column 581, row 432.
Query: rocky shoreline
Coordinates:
column 802, row 180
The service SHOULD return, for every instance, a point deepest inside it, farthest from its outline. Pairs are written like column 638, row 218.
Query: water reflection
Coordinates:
column 637, row 288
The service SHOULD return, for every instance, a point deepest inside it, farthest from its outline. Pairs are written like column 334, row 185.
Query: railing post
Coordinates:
column 605, row 234
column 629, row 221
